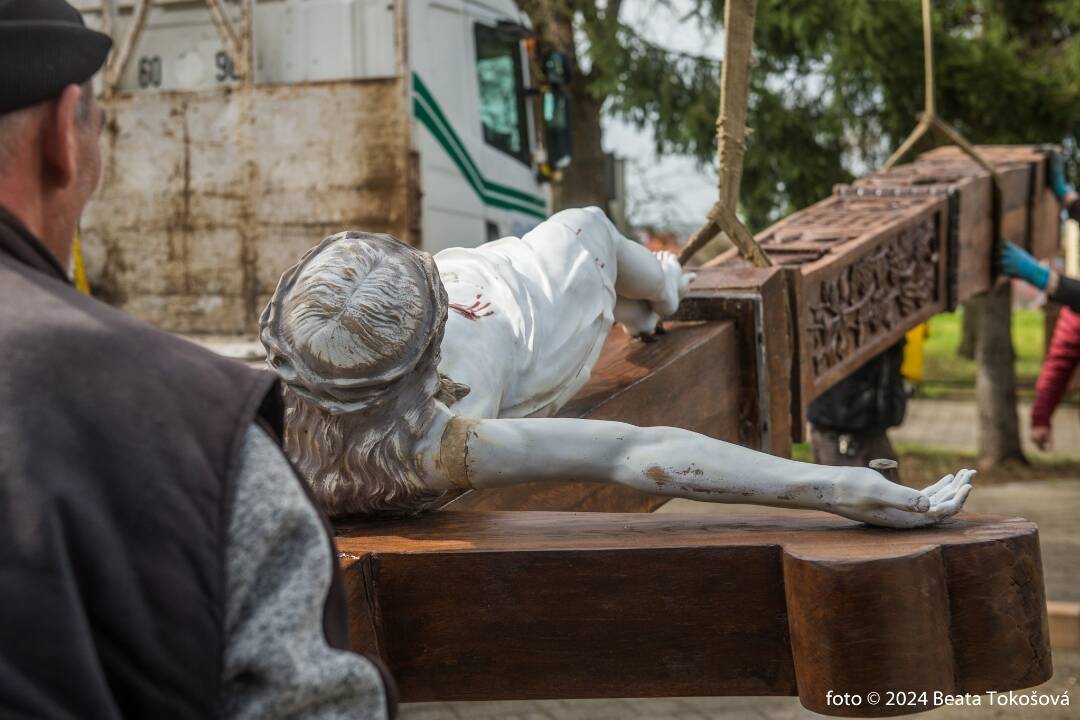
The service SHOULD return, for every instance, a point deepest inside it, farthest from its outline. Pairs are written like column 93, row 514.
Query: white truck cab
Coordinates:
column 414, row 117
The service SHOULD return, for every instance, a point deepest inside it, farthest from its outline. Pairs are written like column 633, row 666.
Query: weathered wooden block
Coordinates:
column 721, row 369
column 506, row 606
column 1015, row 178
column 1042, row 230
column 756, row 299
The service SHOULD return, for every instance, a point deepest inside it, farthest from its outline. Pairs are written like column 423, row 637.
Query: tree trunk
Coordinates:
column 585, row 181
column 969, row 322
column 995, row 378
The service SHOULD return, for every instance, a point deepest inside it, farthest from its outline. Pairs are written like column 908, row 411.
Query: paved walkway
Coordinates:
column 952, row 424
column 1066, row 678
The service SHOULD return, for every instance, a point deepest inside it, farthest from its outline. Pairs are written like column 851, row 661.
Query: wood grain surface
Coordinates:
column 765, row 344
column 846, row 308
column 530, row 605
column 860, row 272
column 1043, row 233
column 688, row 378
column 971, row 222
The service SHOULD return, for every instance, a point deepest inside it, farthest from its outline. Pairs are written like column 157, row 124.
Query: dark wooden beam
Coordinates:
column 756, row 300
column 503, row 606
column 969, row 192
column 688, row 378
column 1043, row 210
column 860, row 271
column 890, row 250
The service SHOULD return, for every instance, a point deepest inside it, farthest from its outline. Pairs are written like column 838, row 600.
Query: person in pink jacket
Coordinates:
column 1054, row 377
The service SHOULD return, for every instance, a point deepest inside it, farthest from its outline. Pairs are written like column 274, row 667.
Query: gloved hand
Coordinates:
column 1055, row 172
column 1017, row 262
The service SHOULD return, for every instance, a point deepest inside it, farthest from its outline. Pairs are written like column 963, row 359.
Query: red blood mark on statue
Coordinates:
column 474, row 311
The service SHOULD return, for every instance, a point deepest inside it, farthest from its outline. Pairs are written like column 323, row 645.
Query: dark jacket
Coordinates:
column 1068, row 289
column 119, row 445
column 871, row 398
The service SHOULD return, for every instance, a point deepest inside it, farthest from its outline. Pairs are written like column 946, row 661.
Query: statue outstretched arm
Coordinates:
column 679, row 463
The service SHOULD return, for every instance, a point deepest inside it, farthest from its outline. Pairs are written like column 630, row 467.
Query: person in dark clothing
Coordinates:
column 850, row 420
column 1017, row 262
column 159, row 557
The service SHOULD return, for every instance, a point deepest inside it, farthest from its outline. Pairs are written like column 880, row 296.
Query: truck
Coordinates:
column 242, row 132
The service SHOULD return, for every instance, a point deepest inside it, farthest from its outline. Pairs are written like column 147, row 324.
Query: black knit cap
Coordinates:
column 44, row 47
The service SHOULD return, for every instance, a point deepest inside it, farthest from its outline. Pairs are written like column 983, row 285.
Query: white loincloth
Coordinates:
column 529, row 315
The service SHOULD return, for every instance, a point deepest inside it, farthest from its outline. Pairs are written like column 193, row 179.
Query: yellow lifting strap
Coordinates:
column 731, row 138
column 929, row 120
column 81, row 282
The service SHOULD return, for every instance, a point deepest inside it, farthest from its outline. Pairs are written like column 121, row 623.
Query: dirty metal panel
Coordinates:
column 208, row 196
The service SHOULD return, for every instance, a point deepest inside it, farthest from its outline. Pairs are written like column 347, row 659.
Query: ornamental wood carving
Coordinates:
column 873, row 296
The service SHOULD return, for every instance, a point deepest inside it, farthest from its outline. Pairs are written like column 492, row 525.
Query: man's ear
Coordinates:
column 60, row 137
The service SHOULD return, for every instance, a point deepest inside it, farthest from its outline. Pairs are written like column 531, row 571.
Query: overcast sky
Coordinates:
column 683, row 191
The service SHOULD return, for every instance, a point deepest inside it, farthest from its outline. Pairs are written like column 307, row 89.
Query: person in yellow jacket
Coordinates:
column 914, row 365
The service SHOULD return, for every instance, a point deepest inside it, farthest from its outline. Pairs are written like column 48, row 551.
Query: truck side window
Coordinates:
column 502, row 92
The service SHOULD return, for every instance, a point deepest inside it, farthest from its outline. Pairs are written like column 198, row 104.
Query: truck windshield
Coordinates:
column 502, row 92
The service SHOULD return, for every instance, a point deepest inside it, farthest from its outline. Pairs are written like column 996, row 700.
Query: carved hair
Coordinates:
column 354, row 330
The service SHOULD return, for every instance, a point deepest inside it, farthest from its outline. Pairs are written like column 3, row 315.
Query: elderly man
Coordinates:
column 158, row 555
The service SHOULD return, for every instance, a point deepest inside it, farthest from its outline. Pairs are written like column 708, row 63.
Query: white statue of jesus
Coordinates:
column 411, row 379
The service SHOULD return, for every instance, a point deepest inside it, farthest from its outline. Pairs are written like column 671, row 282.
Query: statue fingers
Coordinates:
column 942, row 483
column 903, row 498
column 953, row 505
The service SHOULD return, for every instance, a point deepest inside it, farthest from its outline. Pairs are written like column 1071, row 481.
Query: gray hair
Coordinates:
column 354, row 331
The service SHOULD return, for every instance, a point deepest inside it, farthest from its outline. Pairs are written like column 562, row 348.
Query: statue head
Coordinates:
column 354, row 331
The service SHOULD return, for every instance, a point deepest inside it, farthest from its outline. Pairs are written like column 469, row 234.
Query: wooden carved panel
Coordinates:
column 860, row 299
column 873, row 296
column 971, row 221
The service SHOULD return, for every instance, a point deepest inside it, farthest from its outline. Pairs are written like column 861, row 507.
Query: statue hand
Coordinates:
column 637, row 318
column 865, row 495
column 676, row 283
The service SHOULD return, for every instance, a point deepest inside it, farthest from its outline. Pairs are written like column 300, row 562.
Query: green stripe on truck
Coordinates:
column 428, row 112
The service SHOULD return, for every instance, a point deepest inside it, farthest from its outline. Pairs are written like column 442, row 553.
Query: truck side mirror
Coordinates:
column 558, row 128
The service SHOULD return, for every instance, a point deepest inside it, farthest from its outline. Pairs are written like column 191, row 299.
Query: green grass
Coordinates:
column 921, row 464
column 948, row 375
